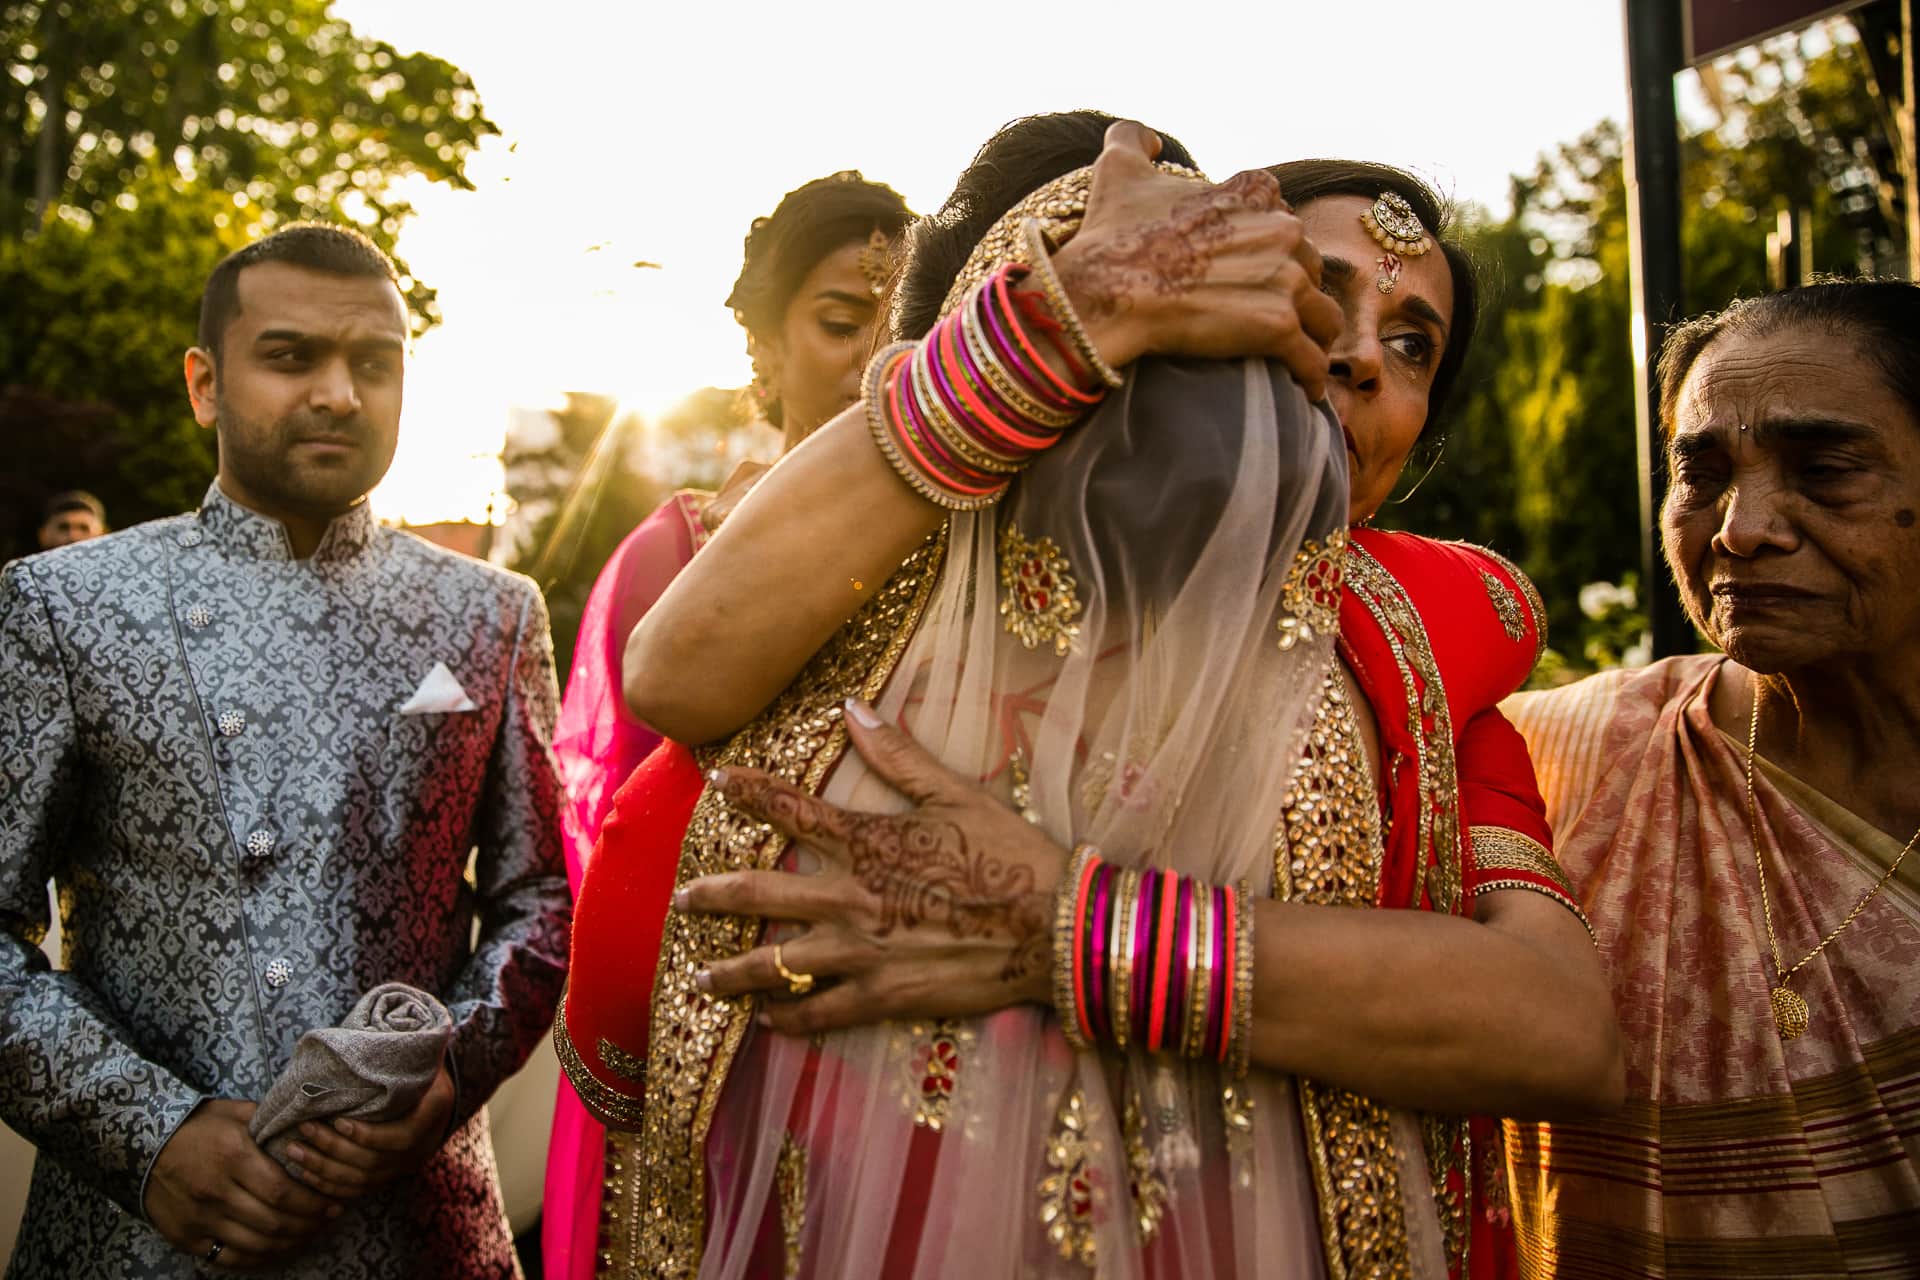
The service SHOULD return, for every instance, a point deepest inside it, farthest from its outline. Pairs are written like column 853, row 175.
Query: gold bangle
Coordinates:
column 882, row 432
column 1056, row 294
column 1240, row 1034
column 1120, row 957
column 1065, row 913
column 951, row 434
column 1199, row 972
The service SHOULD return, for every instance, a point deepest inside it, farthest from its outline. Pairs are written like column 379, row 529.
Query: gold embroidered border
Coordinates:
column 1504, row 849
column 1437, row 843
column 694, row 1035
column 790, row 1178
column 1328, row 850
column 1430, row 724
column 622, row 1063
column 608, row 1106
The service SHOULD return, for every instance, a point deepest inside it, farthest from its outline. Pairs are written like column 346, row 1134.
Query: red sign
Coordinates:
column 1714, row 27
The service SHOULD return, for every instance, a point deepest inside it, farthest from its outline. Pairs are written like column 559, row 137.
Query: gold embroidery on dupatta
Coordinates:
column 1145, row 1187
column 1040, row 606
column 1071, row 1203
column 1440, row 872
column 1328, row 850
column 933, row 1060
column 1310, row 600
column 695, row 1036
column 790, row 1181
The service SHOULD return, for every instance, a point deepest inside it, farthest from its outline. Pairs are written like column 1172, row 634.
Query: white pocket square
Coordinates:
column 438, row 692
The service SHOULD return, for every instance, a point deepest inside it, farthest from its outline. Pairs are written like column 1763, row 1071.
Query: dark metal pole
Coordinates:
column 1653, row 238
column 1910, row 137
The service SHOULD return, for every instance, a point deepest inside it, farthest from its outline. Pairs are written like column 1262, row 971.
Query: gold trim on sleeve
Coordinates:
column 1498, row 849
column 608, row 1106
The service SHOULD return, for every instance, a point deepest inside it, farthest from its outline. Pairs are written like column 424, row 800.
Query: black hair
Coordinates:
column 317, row 246
column 809, row 223
column 1304, row 181
column 74, row 500
column 1883, row 316
column 1023, row 155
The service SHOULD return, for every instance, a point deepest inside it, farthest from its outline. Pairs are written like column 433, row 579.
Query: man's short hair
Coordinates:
column 74, row 500
column 317, row 246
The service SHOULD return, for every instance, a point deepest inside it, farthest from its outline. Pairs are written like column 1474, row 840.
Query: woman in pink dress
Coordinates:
column 806, row 296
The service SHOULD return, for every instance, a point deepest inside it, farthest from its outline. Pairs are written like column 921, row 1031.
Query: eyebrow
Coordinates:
column 1343, row 271
column 297, row 337
column 1795, row 431
column 841, row 295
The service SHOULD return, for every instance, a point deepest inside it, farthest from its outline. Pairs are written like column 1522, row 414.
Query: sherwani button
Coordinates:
column 279, row 974
column 260, row 843
column 190, row 538
column 199, row 616
column 232, row 723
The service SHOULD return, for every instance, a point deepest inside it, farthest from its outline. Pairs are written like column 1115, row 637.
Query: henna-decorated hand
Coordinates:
column 945, row 910
column 1164, row 267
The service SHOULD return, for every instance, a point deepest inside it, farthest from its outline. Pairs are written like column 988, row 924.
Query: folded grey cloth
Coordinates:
column 376, row 1065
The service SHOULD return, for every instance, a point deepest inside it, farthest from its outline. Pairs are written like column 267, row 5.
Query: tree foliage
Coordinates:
column 140, row 140
column 1540, row 460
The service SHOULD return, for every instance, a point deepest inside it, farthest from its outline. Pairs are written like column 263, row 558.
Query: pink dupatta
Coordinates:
column 598, row 742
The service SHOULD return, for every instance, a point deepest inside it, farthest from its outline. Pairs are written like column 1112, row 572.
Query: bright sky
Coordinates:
column 657, row 132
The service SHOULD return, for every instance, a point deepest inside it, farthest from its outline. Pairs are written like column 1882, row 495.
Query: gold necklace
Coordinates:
column 1789, row 1009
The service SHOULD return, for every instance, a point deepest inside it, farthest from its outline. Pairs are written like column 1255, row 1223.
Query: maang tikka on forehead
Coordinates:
column 876, row 261
column 1396, row 228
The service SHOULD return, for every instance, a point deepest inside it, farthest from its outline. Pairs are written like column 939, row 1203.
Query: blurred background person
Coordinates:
column 72, row 516
column 807, row 295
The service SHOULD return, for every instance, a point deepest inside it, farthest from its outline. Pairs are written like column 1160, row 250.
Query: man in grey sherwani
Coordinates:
column 256, row 747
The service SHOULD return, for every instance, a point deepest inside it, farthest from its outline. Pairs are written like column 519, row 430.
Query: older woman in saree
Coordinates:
column 1182, row 713
column 807, row 296
column 1741, row 824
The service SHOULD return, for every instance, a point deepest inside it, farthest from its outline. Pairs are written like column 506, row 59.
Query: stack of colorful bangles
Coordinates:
column 959, row 413
column 1154, row 959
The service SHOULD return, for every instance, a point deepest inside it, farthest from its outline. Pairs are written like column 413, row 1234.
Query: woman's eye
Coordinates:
column 840, row 328
column 1416, row 347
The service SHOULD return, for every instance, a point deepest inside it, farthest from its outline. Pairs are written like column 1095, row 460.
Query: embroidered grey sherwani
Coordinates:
column 202, row 743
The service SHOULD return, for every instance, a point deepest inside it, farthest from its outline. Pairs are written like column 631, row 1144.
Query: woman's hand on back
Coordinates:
column 945, row 910
column 1163, row 266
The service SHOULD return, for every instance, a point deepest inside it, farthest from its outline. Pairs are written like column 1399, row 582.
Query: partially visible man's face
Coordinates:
column 63, row 527
column 306, row 389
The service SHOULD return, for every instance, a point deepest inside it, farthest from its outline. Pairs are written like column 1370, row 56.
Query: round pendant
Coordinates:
column 1789, row 1013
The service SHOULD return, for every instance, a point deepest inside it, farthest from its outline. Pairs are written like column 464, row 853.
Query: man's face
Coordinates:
column 306, row 389
column 63, row 527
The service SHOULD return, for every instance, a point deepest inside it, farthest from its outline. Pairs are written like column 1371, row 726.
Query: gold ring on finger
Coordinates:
column 798, row 984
